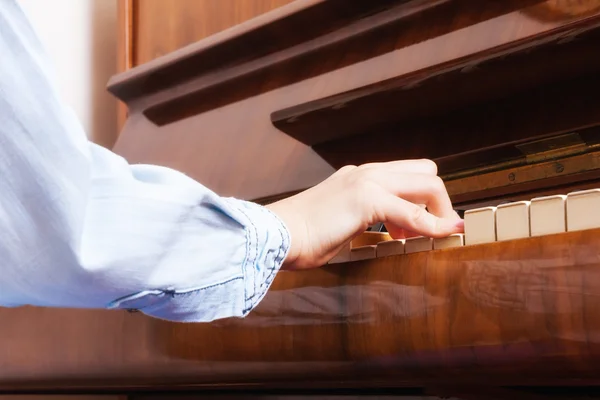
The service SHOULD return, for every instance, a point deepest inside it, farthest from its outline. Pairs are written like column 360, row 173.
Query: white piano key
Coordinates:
column 512, row 221
column 370, row 239
column 363, row 253
column 342, row 256
column 548, row 215
column 418, row 244
column 390, row 248
column 583, row 210
column 480, row 225
column 456, row 240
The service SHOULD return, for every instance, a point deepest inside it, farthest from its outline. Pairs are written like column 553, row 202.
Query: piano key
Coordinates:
column 548, row 215
column 366, row 238
column 480, row 225
column 512, row 221
column 378, row 227
column 370, row 238
column 390, row 248
column 583, row 210
column 456, row 240
column 418, row 244
column 363, row 253
column 341, row 257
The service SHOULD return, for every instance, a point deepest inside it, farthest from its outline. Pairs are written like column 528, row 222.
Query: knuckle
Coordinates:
column 360, row 183
column 420, row 221
column 430, row 165
column 364, row 182
column 437, row 185
column 363, row 174
column 416, row 216
column 347, row 168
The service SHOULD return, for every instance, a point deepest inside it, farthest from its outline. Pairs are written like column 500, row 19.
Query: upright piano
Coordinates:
column 504, row 95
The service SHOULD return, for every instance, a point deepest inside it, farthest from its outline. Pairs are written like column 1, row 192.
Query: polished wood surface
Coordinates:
column 164, row 27
column 125, row 50
column 263, row 161
column 151, row 28
column 523, row 312
column 513, row 313
column 400, row 118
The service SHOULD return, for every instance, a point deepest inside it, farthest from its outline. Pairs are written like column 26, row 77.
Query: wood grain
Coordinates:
column 257, row 160
column 514, row 73
column 164, row 27
column 514, row 313
column 523, row 312
column 125, row 50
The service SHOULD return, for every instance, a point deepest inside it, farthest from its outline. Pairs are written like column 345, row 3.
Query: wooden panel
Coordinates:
column 521, row 312
column 151, row 28
column 124, row 50
column 187, row 92
column 502, row 80
column 512, row 313
column 62, row 397
column 165, row 26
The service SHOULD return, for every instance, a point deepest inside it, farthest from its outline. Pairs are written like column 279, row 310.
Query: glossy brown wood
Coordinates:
column 514, row 313
column 474, row 79
column 254, row 158
column 150, row 29
column 165, row 26
column 524, row 312
column 125, row 50
column 476, row 110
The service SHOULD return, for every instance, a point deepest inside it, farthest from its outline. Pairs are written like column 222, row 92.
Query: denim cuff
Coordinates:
column 267, row 242
column 267, row 245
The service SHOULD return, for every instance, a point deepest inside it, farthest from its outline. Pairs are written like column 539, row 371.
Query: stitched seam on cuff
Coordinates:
column 248, row 264
column 165, row 293
column 277, row 262
column 248, row 259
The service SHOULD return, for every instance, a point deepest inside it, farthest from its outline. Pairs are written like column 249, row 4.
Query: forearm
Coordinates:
column 83, row 228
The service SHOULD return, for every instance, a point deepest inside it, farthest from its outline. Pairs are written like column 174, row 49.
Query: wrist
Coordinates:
column 293, row 252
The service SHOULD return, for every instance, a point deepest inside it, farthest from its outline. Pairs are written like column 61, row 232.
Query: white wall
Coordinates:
column 80, row 37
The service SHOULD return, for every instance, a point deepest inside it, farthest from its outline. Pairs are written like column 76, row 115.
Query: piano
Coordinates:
column 503, row 95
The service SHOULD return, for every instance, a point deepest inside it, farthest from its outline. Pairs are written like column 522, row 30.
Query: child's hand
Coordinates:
column 324, row 218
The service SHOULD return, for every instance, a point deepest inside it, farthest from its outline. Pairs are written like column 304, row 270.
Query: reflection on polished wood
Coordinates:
column 172, row 100
column 503, row 95
column 522, row 312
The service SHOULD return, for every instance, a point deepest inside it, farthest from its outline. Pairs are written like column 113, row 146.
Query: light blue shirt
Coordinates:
column 81, row 228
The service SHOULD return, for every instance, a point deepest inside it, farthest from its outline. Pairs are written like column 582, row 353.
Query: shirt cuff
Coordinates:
column 267, row 242
column 267, row 245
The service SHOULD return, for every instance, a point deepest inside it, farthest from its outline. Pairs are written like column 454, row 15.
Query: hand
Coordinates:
column 326, row 217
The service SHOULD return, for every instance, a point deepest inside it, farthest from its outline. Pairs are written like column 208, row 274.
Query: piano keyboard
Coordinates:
column 540, row 216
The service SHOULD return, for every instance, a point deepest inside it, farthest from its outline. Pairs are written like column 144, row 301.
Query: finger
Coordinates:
column 410, row 217
column 418, row 189
column 421, row 166
column 398, row 232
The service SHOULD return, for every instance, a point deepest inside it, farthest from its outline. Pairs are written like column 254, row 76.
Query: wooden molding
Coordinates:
column 178, row 85
column 551, row 72
column 125, row 51
column 449, row 83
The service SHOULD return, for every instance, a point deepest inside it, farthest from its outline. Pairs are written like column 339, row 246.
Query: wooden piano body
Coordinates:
column 503, row 95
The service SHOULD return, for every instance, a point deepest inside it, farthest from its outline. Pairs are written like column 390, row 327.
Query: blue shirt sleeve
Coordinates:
column 81, row 228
